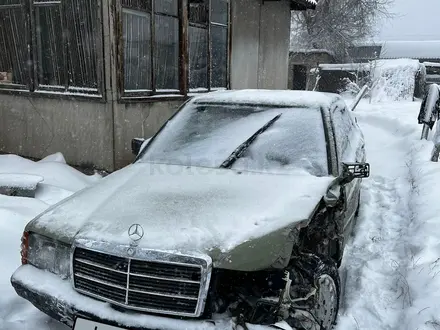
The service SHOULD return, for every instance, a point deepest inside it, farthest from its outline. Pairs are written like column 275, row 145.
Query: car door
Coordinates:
column 350, row 149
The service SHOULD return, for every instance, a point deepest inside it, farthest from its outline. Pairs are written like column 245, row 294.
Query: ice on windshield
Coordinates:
column 207, row 134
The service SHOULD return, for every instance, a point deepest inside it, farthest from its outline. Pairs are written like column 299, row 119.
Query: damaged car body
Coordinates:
column 235, row 213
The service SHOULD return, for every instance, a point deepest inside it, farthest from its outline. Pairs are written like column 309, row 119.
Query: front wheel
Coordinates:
column 320, row 277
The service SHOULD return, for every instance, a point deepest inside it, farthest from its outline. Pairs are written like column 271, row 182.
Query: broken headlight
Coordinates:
column 49, row 254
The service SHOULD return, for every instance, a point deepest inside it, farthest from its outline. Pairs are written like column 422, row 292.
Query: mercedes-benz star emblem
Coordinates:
column 136, row 232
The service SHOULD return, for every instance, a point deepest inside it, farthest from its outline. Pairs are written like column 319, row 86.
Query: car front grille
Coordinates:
column 156, row 286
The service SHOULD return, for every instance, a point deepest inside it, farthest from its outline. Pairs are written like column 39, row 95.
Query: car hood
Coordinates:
column 242, row 220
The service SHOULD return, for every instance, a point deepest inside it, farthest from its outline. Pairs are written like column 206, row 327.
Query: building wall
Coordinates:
column 138, row 120
column 274, row 45
column 82, row 130
column 245, row 35
column 260, row 44
column 37, row 126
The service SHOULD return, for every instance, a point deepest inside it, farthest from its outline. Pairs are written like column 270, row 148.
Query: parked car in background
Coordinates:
column 236, row 212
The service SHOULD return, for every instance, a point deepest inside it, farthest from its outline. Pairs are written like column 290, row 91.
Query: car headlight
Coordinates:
column 48, row 254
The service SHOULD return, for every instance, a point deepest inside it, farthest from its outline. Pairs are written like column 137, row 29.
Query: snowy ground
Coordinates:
column 60, row 181
column 391, row 268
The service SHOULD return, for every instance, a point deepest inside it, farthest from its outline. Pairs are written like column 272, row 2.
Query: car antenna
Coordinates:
column 243, row 147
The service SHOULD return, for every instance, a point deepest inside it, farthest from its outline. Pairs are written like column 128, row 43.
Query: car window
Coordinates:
column 207, row 134
column 348, row 136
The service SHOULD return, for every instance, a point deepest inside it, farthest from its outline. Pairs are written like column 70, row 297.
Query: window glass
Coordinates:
column 13, row 54
column 169, row 7
column 50, row 43
column 219, row 55
column 343, row 127
column 83, row 34
column 198, row 11
column 198, row 57
column 167, row 52
column 65, row 44
column 137, row 49
column 201, row 59
column 219, row 11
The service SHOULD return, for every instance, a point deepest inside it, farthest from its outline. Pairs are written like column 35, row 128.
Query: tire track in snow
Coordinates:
column 376, row 260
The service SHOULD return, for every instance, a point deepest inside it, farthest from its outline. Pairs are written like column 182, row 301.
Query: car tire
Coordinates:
column 319, row 313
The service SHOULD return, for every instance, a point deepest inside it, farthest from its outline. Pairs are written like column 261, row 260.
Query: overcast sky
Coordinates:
column 415, row 20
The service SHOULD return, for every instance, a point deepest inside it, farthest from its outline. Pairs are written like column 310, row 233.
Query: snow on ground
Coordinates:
column 391, row 267
column 59, row 182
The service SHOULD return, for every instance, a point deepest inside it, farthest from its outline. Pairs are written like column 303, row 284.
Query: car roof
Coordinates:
column 306, row 99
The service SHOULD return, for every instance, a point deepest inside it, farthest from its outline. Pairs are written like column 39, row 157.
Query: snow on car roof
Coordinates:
column 306, row 99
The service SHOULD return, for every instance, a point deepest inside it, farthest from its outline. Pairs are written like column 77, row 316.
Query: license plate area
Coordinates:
column 85, row 324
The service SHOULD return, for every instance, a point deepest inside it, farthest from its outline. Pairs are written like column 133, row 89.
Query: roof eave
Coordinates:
column 302, row 4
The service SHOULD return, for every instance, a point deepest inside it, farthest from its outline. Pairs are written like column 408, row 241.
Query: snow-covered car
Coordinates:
column 236, row 212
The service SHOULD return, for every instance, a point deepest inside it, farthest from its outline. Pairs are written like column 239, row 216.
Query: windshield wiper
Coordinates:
column 237, row 153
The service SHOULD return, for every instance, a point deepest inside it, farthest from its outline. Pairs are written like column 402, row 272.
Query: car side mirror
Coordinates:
column 351, row 171
column 136, row 145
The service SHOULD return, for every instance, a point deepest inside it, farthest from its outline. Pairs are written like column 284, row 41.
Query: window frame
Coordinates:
column 67, row 88
column 184, row 57
column 33, row 87
column 120, row 72
column 210, row 23
column 21, row 4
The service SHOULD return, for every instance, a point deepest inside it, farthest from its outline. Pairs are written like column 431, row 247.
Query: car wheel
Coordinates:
column 320, row 311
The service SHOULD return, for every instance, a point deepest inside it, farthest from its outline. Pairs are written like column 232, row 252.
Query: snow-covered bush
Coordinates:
column 394, row 80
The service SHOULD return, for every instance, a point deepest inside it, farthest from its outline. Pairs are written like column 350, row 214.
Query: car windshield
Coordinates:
column 208, row 134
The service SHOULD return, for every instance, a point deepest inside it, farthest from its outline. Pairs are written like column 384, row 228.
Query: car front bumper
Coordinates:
column 57, row 298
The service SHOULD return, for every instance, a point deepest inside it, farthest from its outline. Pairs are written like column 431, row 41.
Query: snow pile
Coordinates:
column 394, row 80
column 20, row 180
column 52, row 168
column 423, row 276
column 59, row 181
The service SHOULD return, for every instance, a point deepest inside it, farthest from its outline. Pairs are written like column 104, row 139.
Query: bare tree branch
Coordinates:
column 336, row 25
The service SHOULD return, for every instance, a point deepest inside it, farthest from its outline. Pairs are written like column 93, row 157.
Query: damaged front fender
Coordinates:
column 270, row 251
